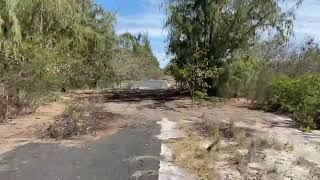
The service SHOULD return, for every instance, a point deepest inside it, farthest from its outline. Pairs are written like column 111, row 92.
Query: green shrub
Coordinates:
column 201, row 94
column 300, row 96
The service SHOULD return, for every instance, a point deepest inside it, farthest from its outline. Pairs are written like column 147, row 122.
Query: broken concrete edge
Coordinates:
column 167, row 168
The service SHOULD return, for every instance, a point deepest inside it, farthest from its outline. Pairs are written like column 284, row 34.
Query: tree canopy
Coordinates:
column 68, row 44
column 204, row 34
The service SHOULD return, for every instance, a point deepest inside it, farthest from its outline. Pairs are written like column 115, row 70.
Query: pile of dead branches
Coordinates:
column 78, row 119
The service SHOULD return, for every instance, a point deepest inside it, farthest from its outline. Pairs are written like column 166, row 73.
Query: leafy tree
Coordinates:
column 239, row 77
column 48, row 45
column 204, row 34
column 135, row 60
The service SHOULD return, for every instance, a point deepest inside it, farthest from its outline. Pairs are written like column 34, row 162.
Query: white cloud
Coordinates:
column 152, row 32
column 155, row 20
column 150, row 20
column 307, row 23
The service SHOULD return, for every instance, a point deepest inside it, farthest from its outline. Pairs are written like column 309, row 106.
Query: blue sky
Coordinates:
column 307, row 22
column 146, row 16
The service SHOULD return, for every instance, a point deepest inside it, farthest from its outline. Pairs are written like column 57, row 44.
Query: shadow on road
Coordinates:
column 138, row 95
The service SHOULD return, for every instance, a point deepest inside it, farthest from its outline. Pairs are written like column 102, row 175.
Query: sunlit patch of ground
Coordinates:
column 134, row 108
column 253, row 145
column 190, row 155
column 279, row 151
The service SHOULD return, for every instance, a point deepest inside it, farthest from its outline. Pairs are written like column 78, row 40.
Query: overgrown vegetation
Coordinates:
column 221, row 48
column 217, row 48
column 278, row 80
column 57, row 45
column 204, row 34
column 299, row 96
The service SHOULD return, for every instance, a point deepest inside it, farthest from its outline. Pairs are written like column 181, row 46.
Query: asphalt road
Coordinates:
column 153, row 85
column 132, row 153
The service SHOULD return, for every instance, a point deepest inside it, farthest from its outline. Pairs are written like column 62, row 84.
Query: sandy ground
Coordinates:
column 301, row 162
column 305, row 146
column 24, row 129
column 132, row 112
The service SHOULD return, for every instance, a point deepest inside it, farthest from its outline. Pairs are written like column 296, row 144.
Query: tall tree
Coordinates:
column 203, row 34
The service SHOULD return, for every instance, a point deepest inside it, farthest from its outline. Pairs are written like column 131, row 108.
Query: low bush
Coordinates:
column 201, row 94
column 299, row 96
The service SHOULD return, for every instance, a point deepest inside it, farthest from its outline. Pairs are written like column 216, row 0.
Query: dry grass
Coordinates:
column 79, row 118
column 252, row 152
column 241, row 160
column 227, row 131
column 211, row 102
column 240, row 137
column 191, row 156
column 243, row 148
column 302, row 161
column 239, row 149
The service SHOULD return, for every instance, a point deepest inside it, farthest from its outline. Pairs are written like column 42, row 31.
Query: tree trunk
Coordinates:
column 191, row 90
